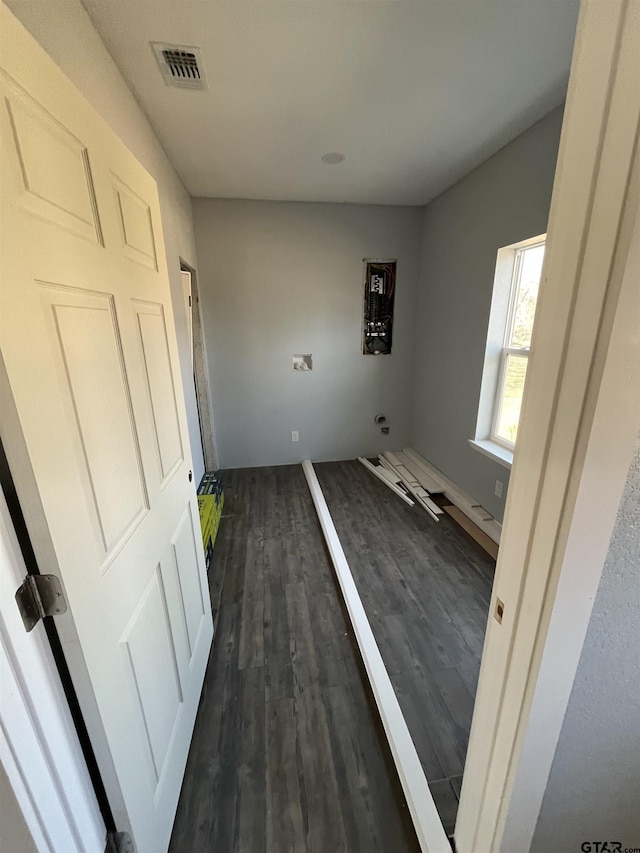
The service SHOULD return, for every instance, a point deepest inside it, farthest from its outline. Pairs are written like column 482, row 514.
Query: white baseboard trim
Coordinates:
column 427, row 824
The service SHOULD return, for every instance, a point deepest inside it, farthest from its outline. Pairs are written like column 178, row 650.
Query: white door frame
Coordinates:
column 201, row 374
column 575, row 442
column 39, row 748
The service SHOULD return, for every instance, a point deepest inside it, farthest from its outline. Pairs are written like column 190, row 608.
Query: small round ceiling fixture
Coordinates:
column 333, row 158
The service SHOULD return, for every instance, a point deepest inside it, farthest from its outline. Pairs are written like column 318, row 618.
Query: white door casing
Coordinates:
column 39, row 748
column 94, row 425
column 551, row 533
column 186, row 292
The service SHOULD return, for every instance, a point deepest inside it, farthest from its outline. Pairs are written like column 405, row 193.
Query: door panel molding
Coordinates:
column 136, row 222
column 160, row 386
column 40, row 140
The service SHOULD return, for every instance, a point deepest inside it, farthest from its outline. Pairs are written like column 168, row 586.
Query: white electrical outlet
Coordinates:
column 294, row 435
column 499, row 487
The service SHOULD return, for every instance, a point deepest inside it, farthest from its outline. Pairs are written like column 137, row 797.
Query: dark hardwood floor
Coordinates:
column 288, row 753
column 426, row 589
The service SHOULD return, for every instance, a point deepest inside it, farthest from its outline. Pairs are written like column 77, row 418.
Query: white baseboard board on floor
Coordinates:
column 427, row 824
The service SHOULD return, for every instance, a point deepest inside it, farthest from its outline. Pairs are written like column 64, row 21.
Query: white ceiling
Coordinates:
column 414, row 94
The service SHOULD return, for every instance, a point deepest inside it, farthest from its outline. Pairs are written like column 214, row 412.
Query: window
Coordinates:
column 523, row 297
column 513, row 306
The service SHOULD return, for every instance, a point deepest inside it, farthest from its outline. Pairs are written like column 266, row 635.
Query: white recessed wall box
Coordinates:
column 302, row 362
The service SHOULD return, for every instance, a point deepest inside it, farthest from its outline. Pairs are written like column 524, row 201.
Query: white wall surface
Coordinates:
column 63, row 28
column 281, row 278
column 503, row 201
column 593, row 792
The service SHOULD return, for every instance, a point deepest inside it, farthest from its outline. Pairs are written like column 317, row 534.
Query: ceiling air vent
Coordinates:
column 181, row 66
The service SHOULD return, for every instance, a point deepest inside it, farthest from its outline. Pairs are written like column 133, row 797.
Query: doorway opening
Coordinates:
column 199, row 364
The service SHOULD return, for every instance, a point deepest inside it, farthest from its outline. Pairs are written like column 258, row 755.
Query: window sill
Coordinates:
column 494, row 451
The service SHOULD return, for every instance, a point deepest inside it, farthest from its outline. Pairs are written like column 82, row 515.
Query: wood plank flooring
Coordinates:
column 426, row 589
column 288, row 753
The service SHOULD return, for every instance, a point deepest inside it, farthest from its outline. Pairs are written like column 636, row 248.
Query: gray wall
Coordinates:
column 63, row 28
column 503, row 201
column 593, row 793
column 16, row 837
column 282, row 278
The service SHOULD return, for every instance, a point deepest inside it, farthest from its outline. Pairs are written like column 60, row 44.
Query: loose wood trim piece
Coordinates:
column 427, row 481
column 386, row 464
column 387, row 475
column 421, row 465
column 424, row 506
column 412, row 482
column 414, row 488
column 486, row 516
column 473, row 530
column 384, row 480
column 429, row 504
column 469, row 507
column 427, row 824
column 387, row 472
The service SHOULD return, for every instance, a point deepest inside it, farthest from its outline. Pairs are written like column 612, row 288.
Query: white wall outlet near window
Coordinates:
column 294, row 435
column 499, row 487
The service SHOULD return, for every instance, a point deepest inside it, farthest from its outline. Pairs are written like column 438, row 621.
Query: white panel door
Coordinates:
column 89, row 348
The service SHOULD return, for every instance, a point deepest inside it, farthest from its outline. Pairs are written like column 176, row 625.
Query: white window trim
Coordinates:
column 508, row 262
column 497, row 400
column 502, row 455
column 508, row 350
column 519, row 249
